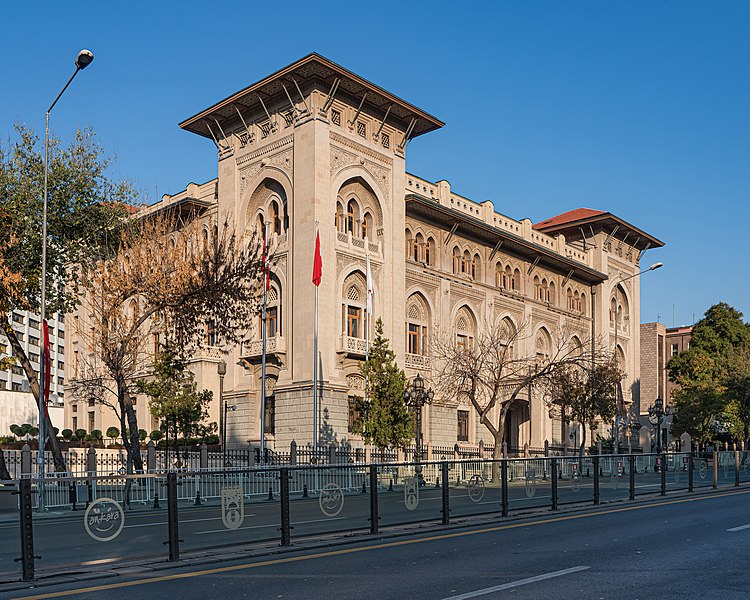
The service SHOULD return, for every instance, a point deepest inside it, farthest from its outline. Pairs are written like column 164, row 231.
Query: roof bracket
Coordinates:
column 247, row 136
column 609, row 237
column 299, row 91
column 359, row 110
column 452, row 231
column 331, row 95
column 495, row 249
column 273, row 123
column 376, row 135
column 642, row 252
column 223, row 149
column 567, row 277
column 295, row 110
column 409, row 130
column 533, row 265
column 227, row 149
column 586, row 243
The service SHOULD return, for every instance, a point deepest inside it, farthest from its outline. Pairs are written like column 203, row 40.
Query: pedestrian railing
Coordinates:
column 160, row 513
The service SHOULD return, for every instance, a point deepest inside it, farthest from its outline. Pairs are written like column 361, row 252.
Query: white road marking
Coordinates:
column 515, row 584
column 740, row 528
column 265, row 526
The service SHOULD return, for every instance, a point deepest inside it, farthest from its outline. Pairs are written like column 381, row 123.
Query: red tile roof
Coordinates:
column 569, row 217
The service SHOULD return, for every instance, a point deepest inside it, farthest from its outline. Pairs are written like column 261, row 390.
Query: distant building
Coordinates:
column 15, row 395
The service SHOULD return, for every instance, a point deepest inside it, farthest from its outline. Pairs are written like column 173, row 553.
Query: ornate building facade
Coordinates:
column 316, row 144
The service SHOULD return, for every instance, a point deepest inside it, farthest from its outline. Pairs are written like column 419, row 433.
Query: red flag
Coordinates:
column 317, row 261
column 47, row 364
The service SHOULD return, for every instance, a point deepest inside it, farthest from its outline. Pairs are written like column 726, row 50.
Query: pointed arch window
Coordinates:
column 416, row 326
column 464, row 331
column 353, row 306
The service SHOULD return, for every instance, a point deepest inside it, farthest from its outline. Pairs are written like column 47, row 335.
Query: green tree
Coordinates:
column 16, row 430
column 384, row 417
column 588, row 398
column 80, row 434
column 174, row 399
column 156, row 435
column 67, row 434
column 85, row 209
column 113, row 433
column 713, row 397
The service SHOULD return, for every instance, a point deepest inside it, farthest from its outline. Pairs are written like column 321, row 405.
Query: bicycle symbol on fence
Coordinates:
column 530, row 483
column 411, row 492
column 575, row 478
column 476, row 488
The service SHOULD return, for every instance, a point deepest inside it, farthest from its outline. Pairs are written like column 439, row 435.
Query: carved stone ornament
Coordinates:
column 355, row 382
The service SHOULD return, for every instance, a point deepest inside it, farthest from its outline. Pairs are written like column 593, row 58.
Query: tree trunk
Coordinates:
column 497, row 454
column 133, row 443
column 33, row 378
column 583, row 442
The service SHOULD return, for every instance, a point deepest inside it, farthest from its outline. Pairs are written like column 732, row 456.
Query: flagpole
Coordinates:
column 263, row 354
column 315, row 367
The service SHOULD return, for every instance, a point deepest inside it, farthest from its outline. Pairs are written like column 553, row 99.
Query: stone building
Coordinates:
column 316, row 144
column 659, row 344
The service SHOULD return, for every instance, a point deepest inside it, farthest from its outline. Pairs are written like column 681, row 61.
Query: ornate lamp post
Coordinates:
column 416, row 398
column 633, row 427
column 656, row 414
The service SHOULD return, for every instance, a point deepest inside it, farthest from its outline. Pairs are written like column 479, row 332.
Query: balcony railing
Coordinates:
column 254, row 348
column 352, row 345
column 347, row 239
column 417, row 361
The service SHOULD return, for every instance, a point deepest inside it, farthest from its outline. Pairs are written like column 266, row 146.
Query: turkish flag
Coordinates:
column 47, row 362
column 317, row 274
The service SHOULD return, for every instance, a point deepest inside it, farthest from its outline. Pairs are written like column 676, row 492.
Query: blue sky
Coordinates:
column 639, row 108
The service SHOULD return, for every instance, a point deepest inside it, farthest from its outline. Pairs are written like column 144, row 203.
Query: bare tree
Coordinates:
column 169, row 282
column 491, row 373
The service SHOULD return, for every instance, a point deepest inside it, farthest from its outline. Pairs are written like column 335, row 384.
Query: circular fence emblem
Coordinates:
column 476, row 488
column 575, row 482
column 703, row 469
column 530, row 483
column 411, row 492
column 104, row 519
column 331, row 500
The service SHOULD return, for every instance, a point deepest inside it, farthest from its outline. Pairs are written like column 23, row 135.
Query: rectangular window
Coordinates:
column 17, row 387
column 269, row 415
column 33, row 323
column 75, row 423
column 34, row 357
column 75, row 362
column 33, row 340
column 20, row 336
column 60, row 381
column 92, row 420
column 60, row 364
column 18, row 318
column 211, row 334
column 74, row 407
column 354, row 413
column 61, row 334
column 17, row 369
column 675, row 349
column 60, row 349
column 271, row 322
column 353, row 317
column 413, row 339
column 464, row 343
column 3, row 383
column 463, row 426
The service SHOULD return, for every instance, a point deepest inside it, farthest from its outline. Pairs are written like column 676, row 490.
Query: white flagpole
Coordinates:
column 368, row 306
column 263, row 355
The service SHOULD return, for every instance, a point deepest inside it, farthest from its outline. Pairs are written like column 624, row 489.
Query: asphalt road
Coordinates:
column 692, row 547
column 62, row 541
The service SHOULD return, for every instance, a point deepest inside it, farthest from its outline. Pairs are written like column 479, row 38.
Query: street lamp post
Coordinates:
column 82, row 61
column 657, row 265
column 655, row 416
column 417, row 397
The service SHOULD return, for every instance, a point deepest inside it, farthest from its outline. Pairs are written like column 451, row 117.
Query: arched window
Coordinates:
column 569, row 296
column 507, row 336
column 583, row 303
column 367, row 226
column 417, row 322
column 457, row 261
column 476, row 268
column 275, row 218
column 339, row 219
column 409, row 242
column 551, row 296
column 352, row 216
column 466, row 263
column 353, row 304
column 429, row 250
column 464, row 330
column 543, row 346
column 418, row 247
column 499, row 275
column 516, row 281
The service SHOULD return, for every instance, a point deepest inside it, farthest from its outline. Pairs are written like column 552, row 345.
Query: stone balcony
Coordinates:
column 417, row 361
column 352, row 346
column 347, row 240
column 252, row 350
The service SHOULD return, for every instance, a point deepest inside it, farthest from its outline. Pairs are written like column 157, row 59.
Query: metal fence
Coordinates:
column 206, row 508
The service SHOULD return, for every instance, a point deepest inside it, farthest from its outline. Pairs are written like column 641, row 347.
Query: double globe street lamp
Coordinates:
column 416, row 397
column 656, row 414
